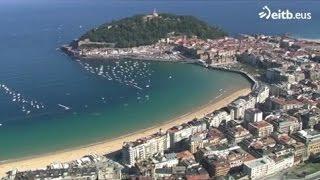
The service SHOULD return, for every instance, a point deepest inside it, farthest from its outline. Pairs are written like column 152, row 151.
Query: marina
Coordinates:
column 125, row 72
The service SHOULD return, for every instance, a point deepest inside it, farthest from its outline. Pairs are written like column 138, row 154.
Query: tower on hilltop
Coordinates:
column 151, row 16
column 155, row 14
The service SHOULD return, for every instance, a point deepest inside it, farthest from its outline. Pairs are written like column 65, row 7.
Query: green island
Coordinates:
column 141, row 30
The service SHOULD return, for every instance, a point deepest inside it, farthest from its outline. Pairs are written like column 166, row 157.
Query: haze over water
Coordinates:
column 105, row 106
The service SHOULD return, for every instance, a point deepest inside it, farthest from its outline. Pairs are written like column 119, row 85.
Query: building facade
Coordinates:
column 142, row 149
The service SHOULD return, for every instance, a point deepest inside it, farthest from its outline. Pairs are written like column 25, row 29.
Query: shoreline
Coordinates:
column 70, row 52
column 152, row 59
column 315, row 40
column 115, row 144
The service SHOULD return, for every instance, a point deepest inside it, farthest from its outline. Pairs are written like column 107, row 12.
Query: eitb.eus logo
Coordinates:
column 266, row 13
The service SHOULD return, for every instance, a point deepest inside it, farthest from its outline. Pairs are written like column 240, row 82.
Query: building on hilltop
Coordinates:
column 151, row 16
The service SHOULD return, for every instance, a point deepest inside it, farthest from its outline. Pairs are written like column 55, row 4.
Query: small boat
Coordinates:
column 63, row 106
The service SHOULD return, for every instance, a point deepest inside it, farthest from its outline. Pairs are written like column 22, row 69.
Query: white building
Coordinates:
column 217, row 117
column 258, row 168
column 282, row 163
column 239, row 106
column 184, row 131
column 168, row 160
column 262, row 93
column 264, row 166
column 179, row 133
column 145, row 148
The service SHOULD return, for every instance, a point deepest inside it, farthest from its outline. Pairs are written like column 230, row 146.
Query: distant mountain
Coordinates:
column 148, row 29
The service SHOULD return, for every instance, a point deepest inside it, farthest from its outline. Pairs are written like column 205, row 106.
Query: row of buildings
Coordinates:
column 273, row 128
column 89, row 167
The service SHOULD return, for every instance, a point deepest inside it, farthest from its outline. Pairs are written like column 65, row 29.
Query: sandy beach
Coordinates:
column 112, row 145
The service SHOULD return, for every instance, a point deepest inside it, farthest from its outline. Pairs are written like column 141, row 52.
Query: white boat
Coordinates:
column 63, row 106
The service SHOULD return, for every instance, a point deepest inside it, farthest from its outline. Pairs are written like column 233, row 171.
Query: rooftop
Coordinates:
column 258, row 162
column 309, row 134
column 260, row 124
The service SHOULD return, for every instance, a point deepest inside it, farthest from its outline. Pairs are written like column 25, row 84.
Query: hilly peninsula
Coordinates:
column 141, row 36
